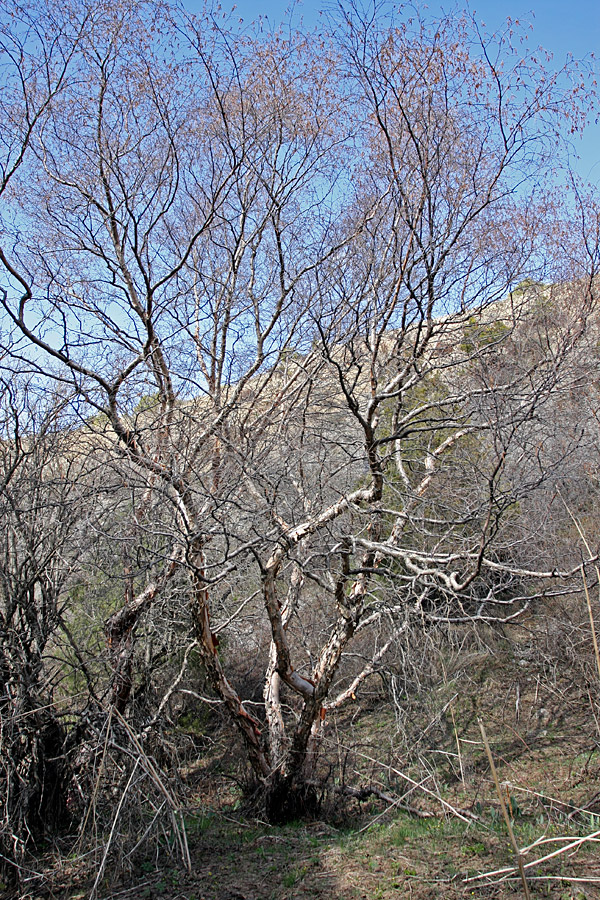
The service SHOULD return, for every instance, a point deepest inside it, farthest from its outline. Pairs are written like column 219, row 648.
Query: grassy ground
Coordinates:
column 399, row 857
column 542, row 723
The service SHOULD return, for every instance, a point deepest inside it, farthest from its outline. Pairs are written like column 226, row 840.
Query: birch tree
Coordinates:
column 280, row 274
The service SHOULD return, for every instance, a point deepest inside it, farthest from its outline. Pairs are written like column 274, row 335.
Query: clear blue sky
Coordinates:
column 560, row 26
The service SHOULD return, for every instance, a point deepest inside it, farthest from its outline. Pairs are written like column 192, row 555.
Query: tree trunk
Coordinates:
column 247, row 725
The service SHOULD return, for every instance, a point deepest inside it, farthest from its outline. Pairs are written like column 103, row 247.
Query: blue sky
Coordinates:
column 560, row 27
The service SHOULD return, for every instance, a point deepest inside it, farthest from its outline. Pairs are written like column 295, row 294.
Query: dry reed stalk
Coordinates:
column 143, row 768
column 109, row 841
column 176, row 814
column 457, row 739
column 511, row 833
column 94, row 797
column 585, row 543
column 591, row 615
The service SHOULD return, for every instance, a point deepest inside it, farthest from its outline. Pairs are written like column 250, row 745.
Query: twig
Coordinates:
column 548, row 799
column 590, row 879
column 172, row 688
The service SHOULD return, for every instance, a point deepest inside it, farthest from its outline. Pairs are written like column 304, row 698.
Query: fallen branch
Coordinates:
column 573, row 845
column 465, row 816
column 371, row 791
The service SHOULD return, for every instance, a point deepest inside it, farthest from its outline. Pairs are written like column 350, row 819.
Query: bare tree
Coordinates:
column 43, row 515
column 274, row 271
column 436, row 415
